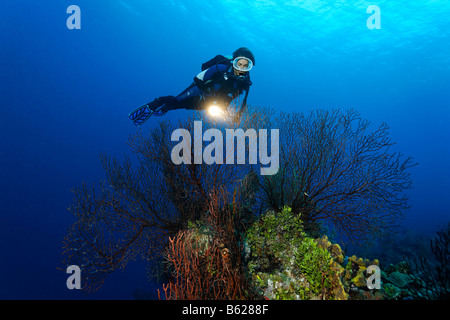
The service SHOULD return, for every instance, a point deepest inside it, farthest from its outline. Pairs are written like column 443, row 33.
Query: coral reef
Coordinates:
column 201, row 269
column 355, row 279
column 204, row 262
column 285, row 263
column 146, row 208
column 334, row 168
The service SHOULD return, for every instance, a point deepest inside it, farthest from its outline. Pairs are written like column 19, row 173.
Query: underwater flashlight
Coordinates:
column 215, row 110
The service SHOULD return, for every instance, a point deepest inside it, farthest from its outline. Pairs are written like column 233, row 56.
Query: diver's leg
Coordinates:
column 188, row 99
column 159, row 105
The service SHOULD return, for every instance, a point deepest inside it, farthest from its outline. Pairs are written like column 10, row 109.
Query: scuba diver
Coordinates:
column 221, row 81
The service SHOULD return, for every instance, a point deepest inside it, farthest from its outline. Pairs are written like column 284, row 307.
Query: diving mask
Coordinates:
column 242, row 64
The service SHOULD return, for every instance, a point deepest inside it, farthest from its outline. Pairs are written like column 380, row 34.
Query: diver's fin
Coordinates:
column 157, row 107
column 160, row 111
column 141, row 114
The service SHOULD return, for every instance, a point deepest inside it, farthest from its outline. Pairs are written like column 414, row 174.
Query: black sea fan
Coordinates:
column 433, row 275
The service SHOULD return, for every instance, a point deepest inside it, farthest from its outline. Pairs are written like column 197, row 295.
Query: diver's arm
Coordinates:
column 209, row 74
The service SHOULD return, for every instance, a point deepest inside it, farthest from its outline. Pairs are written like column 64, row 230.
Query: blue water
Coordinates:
column 65, row 95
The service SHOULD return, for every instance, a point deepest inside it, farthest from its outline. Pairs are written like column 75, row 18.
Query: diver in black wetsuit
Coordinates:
column 222, row 79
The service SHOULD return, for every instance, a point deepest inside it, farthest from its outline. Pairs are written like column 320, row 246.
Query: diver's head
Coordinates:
column 243, row 61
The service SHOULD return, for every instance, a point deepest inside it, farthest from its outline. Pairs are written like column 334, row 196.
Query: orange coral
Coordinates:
column 207, row 269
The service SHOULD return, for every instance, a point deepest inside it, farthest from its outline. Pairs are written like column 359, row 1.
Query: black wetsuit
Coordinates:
column 216, row 82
